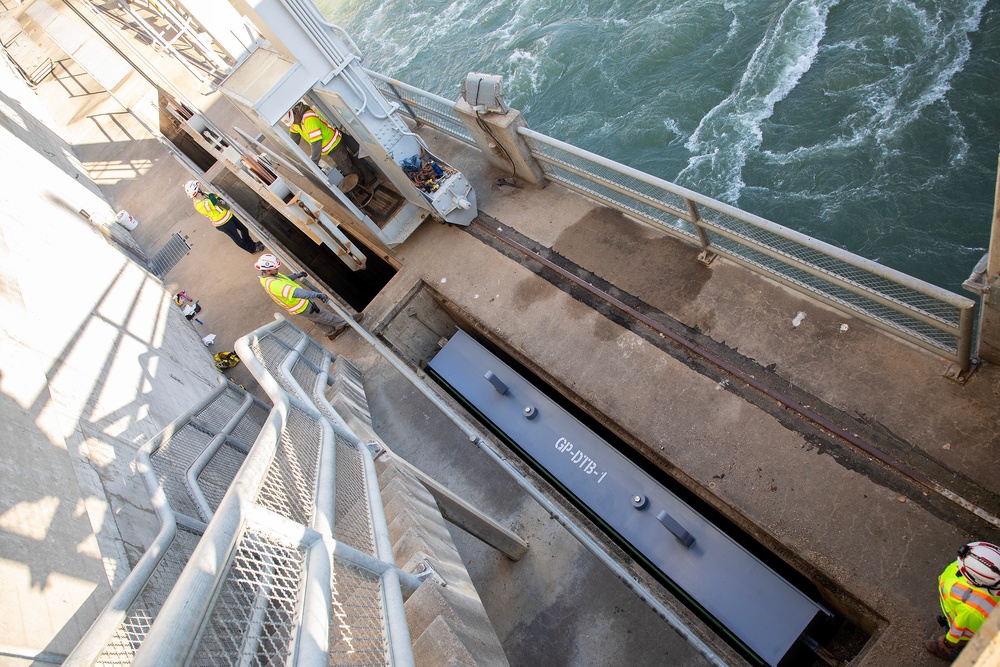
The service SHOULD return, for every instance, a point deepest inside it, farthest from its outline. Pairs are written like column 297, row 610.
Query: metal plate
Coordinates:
column 760, row 607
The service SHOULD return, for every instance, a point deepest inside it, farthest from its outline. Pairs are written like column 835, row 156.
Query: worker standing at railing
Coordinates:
column 298, row 300
column 214, row 208
column 968, row 589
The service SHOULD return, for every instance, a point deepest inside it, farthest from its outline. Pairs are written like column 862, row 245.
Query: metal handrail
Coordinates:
column 266, row 572
column 438, row 112
column 922, row 313
column 276, row 380
column 919, row 312
column 294, row 608
column 99, row 640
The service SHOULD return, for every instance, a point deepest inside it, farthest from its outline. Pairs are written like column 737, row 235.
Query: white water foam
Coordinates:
column 726, row 135
column 915, row 67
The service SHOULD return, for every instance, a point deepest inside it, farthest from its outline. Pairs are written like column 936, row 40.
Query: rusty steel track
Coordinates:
column 782, row 399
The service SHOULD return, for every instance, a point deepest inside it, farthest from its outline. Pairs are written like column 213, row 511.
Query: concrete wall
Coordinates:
column 95, row 359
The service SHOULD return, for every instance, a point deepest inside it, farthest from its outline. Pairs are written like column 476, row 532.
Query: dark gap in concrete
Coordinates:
column 423, row 320
column 171, row 128
column 357, row 288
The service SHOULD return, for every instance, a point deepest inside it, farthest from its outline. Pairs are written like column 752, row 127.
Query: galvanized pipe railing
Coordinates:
column 121, row 627
column 261, row 579
column 924, row 314
column 271, row 354
column 424, row 107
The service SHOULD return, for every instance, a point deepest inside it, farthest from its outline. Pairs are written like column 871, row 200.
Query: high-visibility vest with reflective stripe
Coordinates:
column 280, row 288
column 315, row 129
column 219, row 215
column 966, row 607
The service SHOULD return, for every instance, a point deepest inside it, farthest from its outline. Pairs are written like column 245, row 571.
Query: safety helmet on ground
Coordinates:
column 267, row 261
column 191, row 188
column 979, row 563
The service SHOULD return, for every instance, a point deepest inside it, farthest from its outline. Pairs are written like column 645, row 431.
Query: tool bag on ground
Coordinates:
column 224, row 360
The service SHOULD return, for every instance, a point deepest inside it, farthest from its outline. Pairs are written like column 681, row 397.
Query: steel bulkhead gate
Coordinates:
column 756, row 604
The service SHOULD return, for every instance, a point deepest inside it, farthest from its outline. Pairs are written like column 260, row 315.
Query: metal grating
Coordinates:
column 287, row 334
column 125, row 642
column 289, row 488
column 305, row 374
column 835, row 268
column 611, row 187
column 849, row 299
column 366, row 615
column 171, row 461
column 353, row 519
column 218, row 475
column 167, row 257
column 253, row 620
column 317, row 355
column 246, row 582
column 270, row 351
column 357, row 632
column 248, row 428
column 217, row 414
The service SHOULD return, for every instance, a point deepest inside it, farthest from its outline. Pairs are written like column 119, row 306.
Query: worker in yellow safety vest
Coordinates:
column 968, row 589
column 298, row 300
column 214, row 208
column 325, row 139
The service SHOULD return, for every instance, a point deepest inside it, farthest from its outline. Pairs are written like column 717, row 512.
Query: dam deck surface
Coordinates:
column 871, row 539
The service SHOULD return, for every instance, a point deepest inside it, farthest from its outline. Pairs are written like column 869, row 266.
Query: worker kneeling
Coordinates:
column 969, row 590
column 298, row 300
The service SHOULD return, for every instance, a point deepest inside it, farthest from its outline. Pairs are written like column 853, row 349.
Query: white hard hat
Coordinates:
column 289, row 117
column 267, row 261
column 979, row 563
column 192, row 188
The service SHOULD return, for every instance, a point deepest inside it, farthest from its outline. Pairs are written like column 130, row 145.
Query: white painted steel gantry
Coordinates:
column 303, row 59
column 267, row 56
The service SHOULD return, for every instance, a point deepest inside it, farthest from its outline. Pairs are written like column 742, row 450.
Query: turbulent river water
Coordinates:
column 870, row 124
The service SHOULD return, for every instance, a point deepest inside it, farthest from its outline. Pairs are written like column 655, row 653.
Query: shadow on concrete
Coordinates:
column 71, row 78
column 47, row 523
column 35, row 134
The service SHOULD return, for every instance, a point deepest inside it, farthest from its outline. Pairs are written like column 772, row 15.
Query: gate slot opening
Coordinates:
column 422, row 321
column 357, row 288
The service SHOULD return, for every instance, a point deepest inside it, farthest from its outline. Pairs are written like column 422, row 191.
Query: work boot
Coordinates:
column 940, row 649
column 358, row 317
column 258, row 247
column 336, row 332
